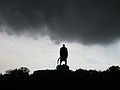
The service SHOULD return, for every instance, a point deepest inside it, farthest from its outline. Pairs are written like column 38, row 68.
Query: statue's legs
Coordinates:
column 65, row 62
column 60, row 62
column 63, row 59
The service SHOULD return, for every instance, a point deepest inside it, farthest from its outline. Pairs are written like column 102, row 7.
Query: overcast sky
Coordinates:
column 32, row 31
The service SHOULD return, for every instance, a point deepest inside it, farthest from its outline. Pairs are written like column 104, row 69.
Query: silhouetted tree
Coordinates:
column 1, row 76
column 21, row 73
column 80, row 79
column 113, row 69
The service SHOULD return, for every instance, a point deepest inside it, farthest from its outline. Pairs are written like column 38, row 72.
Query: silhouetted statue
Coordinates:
column 63, row 54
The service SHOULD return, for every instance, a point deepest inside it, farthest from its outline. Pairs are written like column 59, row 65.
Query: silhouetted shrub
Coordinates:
column 19, row 74
column 61, row 76
column 1, row 76
column 114, row 69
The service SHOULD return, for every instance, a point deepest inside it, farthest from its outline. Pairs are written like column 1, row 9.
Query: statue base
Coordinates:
column 62, row 67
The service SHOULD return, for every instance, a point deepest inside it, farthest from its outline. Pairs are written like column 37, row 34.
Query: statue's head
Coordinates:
column 63, row 45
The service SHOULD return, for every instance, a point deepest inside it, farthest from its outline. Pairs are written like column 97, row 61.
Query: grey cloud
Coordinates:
column 84, row 21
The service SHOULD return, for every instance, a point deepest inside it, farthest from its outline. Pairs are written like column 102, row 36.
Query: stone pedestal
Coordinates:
column 62, row 67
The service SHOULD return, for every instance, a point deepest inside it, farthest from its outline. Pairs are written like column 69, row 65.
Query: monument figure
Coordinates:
column 63, row 55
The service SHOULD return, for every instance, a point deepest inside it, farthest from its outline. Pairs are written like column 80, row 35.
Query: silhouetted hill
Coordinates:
column 60, row 78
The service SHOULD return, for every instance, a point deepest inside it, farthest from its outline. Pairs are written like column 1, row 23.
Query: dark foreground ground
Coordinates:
column 61, row 78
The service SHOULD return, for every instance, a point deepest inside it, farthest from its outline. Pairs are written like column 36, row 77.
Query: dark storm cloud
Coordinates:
column 85, row 21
